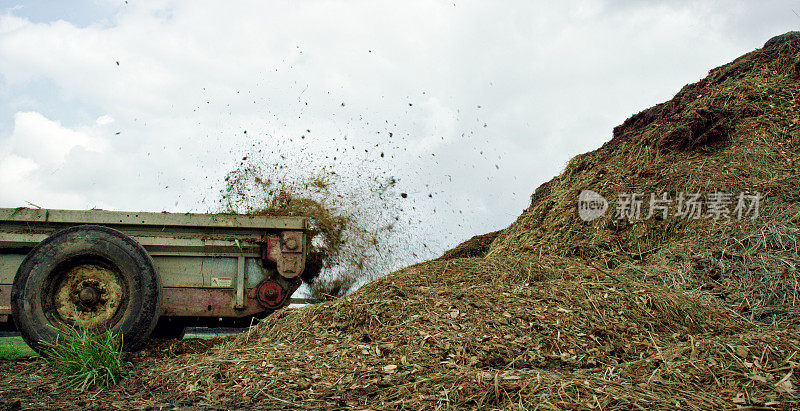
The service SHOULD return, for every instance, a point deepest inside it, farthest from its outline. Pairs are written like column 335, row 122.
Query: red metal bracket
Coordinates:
column 287, row 251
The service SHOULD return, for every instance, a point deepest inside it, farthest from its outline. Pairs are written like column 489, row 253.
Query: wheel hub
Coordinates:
column 270, row 294
column 89, row 295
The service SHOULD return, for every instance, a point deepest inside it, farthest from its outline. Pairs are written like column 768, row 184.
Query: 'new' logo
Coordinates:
column 591, row 205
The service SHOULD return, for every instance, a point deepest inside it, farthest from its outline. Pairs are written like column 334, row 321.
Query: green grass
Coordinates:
column 12, row 348
column 83, row 358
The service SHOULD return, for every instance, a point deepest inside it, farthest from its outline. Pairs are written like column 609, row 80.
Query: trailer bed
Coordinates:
column 207, row 263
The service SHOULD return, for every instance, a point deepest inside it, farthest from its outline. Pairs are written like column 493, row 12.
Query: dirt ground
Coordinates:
column 26, row 384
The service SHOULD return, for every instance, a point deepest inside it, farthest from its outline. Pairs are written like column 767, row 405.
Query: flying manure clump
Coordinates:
column 350, row 226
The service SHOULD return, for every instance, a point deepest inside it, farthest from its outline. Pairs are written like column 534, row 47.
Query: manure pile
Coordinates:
column 556, row 312
column 494, row 333
column 736, row 131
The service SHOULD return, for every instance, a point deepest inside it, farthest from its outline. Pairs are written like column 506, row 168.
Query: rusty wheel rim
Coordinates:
column 87, row 293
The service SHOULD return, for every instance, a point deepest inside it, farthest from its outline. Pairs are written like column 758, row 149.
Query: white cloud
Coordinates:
column 38, row 147
column 13, row 170
column 44, row 141
column 104, row 120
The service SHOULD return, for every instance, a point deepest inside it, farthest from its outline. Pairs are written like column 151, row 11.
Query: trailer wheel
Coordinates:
column 88, row 276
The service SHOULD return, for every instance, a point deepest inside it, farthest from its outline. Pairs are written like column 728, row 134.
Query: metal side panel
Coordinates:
column 205, row 271
column 8, row 267
column 5, row 299
column 163, row 219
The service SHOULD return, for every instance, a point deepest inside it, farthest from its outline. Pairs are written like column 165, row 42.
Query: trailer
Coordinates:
column 128, row 272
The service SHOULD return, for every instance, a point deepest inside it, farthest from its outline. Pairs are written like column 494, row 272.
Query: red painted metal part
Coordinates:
column 286, row 250
column 205, row 302
column 287, row 253
column 270, row 294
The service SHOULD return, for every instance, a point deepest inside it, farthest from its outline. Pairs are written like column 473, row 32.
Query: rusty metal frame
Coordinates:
column 288, row 252
column 182, row 302
column 5, row 299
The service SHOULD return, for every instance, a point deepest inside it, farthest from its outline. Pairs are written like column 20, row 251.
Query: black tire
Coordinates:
column 91, row 276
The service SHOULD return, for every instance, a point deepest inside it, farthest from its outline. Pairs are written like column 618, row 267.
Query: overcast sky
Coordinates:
column 142, row 105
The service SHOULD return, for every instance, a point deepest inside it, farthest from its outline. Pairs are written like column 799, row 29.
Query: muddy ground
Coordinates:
column 26, row 384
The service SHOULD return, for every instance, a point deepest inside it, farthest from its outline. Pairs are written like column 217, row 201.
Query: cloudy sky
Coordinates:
column 143, row 105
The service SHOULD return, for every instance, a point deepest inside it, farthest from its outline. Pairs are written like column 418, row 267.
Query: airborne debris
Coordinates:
column 350, row 238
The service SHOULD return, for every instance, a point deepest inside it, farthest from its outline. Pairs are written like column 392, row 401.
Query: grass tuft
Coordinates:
column 84, row 358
